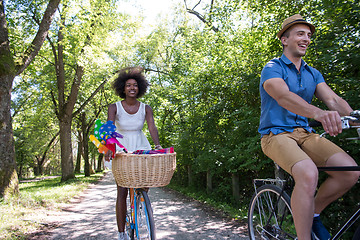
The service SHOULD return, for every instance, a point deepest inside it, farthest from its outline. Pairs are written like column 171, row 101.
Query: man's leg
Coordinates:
column 337, row 183
column 305, row 174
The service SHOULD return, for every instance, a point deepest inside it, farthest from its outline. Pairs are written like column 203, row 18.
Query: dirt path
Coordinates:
column 92, row 216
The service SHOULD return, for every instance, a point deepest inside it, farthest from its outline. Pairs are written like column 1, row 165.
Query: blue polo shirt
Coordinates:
column 275, row 118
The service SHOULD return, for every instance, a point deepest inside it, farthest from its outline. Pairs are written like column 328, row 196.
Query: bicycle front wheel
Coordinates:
column 270, row 215
column 129, row 227
column 145, row 226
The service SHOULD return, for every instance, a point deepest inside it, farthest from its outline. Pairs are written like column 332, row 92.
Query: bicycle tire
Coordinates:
column 129, row 227
column 144, row 220
column 270, row 215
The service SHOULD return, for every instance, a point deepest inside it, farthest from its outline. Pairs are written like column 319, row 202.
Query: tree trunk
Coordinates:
column 92, row 165
column 37, row 167
column 41, row 161
column 20, row 171
column 78, row 158
column 235, row 186
column 190, row 176
column 9, row 183
column 99, row 163
column 67, row 164
column 86, row 161
column 209, row 187
column 85, row 145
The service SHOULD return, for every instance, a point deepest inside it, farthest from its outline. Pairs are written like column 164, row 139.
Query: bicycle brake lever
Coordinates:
column 345, row 123
column 355, row 113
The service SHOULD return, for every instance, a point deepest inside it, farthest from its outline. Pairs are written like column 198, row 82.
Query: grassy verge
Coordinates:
column 23, row 214
column 231, row 210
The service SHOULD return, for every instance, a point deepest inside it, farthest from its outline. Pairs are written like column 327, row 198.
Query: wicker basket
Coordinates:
column 143, row 170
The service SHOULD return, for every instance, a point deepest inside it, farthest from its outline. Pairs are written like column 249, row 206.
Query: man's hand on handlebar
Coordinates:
column 331, row 121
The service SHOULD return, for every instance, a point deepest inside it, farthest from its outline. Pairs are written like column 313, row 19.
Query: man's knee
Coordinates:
column 343, row 159
column 306, row 175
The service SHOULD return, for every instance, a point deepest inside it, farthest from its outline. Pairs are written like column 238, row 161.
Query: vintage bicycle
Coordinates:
column 138, row 173
column 270, row 215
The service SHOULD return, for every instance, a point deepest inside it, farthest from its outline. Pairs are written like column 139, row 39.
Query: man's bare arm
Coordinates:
column 277, row 89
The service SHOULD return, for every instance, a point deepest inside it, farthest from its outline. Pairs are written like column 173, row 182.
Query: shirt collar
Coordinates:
column 288, row 62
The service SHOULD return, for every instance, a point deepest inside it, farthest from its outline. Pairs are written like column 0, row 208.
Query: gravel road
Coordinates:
column 92, row 216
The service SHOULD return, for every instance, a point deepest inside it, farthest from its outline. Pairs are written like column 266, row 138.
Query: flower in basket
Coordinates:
column 105, row 136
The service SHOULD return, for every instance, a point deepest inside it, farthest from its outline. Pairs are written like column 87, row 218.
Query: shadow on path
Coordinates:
column 176, row 217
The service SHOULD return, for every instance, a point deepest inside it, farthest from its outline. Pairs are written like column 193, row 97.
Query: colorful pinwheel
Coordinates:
column 105, row 136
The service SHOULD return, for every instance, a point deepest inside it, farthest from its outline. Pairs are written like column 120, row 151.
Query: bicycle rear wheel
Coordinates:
column 145, row 226
column 270, row 215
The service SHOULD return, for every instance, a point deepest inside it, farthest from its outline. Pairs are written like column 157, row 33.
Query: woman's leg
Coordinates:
column 121, row 208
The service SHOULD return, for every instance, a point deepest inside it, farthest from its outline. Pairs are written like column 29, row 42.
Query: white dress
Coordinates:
column 130, row 126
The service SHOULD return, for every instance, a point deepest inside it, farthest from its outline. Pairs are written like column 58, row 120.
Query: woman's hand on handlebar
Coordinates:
column 108, row 155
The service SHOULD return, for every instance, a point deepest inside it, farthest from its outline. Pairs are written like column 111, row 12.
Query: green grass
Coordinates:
column 23, row 214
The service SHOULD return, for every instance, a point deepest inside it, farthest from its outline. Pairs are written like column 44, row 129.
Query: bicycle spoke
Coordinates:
column 144, row 218
column 270, row 216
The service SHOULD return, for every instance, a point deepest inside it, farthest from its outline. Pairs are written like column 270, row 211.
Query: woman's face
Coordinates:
column 131, row 88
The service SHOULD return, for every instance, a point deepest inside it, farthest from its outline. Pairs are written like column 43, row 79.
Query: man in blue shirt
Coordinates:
column 287, row 87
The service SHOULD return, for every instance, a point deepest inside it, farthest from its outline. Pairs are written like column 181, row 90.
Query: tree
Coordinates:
column 74, row 44
column 11, row 65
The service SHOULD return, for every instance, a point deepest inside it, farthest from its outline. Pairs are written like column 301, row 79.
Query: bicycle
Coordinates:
column 139, row 219
column 137, row 173
column 270, row 215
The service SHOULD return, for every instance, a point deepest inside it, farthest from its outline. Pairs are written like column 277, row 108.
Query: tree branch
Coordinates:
column 158, row 71
column 198, row 15
column 47, row 148
column 74, row 89
column 91, row 97
column 55, row 103
column 39, row 39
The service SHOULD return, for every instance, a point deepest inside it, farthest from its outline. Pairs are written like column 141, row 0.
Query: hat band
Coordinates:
column 298, row 20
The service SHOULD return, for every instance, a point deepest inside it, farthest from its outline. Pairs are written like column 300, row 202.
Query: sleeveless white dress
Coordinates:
column 130, row 126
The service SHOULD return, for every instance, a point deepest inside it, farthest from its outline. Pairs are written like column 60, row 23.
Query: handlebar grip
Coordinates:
column 314, row 123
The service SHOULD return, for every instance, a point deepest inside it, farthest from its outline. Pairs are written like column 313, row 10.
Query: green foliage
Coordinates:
column 205, row 90
column 204, row 83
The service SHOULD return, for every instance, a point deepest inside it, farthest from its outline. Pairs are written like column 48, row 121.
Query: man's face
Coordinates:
column 298, row 40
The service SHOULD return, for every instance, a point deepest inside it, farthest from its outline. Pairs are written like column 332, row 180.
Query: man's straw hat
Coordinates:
column 291, row 21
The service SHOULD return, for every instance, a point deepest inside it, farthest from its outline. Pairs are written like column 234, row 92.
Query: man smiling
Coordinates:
column 287, row 87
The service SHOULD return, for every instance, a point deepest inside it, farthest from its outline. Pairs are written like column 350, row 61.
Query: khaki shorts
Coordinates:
column 288, row 148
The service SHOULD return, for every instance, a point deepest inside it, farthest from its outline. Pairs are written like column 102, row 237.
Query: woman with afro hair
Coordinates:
column 129, row 116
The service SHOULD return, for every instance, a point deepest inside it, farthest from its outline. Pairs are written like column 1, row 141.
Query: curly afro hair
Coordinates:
column 130, row 73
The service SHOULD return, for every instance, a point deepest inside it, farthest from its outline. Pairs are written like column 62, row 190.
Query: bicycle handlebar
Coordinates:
column 345, row 122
